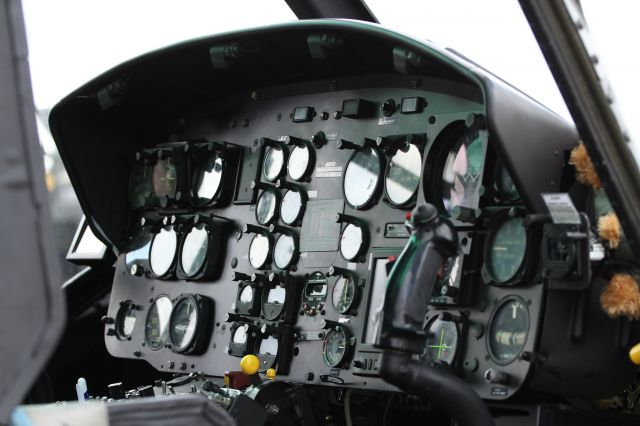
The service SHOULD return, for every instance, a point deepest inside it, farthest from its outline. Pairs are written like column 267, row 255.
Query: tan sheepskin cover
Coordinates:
column 621, row 297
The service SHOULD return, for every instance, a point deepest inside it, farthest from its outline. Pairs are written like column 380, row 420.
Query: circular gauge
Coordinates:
column 207, row 178
column 163, row 251
column 508, row 330
column 267, row 207
column 462, row 173
column 291, row 207
column 335, row 346
column 246, row 295
column 273, row 163
column 165, row 178
column 156, row 326
column 267, row 351
column 194, row 250
column 361, row 177
column 139, row 249
column 314, row 295
column 351, row 241
column 442, row 341
column 507, row 190
column 299, row 162
column 184, row 323
column 268, row 346
column 259, row 251
column 273, row 300
column 344, row 295
column 140, row 184
column 403, row 175
column 240, row 335
column 506, row 250
column 284, row 251
column 126, row 320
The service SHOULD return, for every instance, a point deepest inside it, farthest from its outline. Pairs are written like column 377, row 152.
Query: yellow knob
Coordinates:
column 249, row 364
column 634, row 354
column 271, row 373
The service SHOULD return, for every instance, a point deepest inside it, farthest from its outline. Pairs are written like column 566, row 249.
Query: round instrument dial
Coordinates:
column 462, row 173
column 335, row 346
column 163, row 251
column 156, row 326
column 351, row 241
column 267, row 207
column 403, row 175
column 344, row 295
column 247, row 294
column 284, row 251
column 291, row 207
column 184, row 323
column 506, row 250
column 140, row 188
column 240, row 335
column 362, row 177
column 442, row 341
column 139, row 249
column 508, row 330
column 126, row 320
column 165, row 178
column 299, row 162
column 273, row 301
column 194, row 250
column 259, row 251
column 268, row 346
column 207, row 178
column 273, row 163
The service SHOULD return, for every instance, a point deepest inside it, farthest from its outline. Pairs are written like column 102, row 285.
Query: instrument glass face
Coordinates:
column 273, row 163
column 314, row 294
column 403, row 175
column 335, row 346
column 361, row 177
column 140, row 184
column 240, row 335
column 259, row 251
column 351, row 241
column 126, row 320
column 165, row 178
column 156, row 328
column 284, row 251
column 208, row 177
column 268, row 345
column 291, row 207
column 266, row 207
column 298, row 162
column 247, row 294
column 508, row 330
column 184, row 323
column 508, row 250
column 277, row 294
column 442, row 341
column 194, row 250
column 139, row 248
column 344, row 294
column 462, row 173
column 163, row 251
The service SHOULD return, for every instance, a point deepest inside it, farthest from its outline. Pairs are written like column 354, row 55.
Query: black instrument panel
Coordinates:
column 279, row 219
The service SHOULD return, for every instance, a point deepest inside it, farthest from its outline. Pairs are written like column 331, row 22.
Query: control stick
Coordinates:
column 401, row 335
